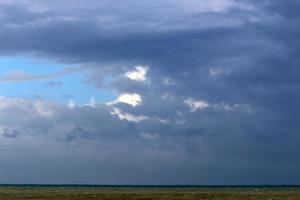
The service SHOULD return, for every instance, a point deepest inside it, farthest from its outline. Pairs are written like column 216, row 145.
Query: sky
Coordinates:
column 150, row 92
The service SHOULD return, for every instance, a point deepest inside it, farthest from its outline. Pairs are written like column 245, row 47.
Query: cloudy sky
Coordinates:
column 150, row 92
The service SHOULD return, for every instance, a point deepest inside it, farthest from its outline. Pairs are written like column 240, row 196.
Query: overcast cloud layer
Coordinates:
column 207, row 92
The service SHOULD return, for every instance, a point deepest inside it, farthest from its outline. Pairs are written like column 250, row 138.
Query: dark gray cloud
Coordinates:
column 219, row 105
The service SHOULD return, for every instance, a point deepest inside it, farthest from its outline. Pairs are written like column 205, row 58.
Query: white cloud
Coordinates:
column 139, row 74
column 92, row 102
column 195, row 105
column 35, row 107
column 43, row 109
column 71, row 104
column 127, row 116
column 132, row 99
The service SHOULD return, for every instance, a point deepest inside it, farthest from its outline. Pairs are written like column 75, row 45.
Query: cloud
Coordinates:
column 21, row 76
column 139, row 74
column 71, row 104
column 195, row 105
column 221, row 95
column 127, row 116
column 92, row 102
column 132, row 99
column 94, row 135
column 9, row 133
column 182, row 6
column 17, row 76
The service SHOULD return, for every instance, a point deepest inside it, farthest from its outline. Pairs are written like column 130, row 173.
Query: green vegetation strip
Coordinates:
column 93, row 193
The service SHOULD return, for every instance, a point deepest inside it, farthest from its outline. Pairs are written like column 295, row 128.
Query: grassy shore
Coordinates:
column 140, row 193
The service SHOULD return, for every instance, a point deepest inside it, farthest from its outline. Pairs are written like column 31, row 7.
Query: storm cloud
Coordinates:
column 207, row 92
